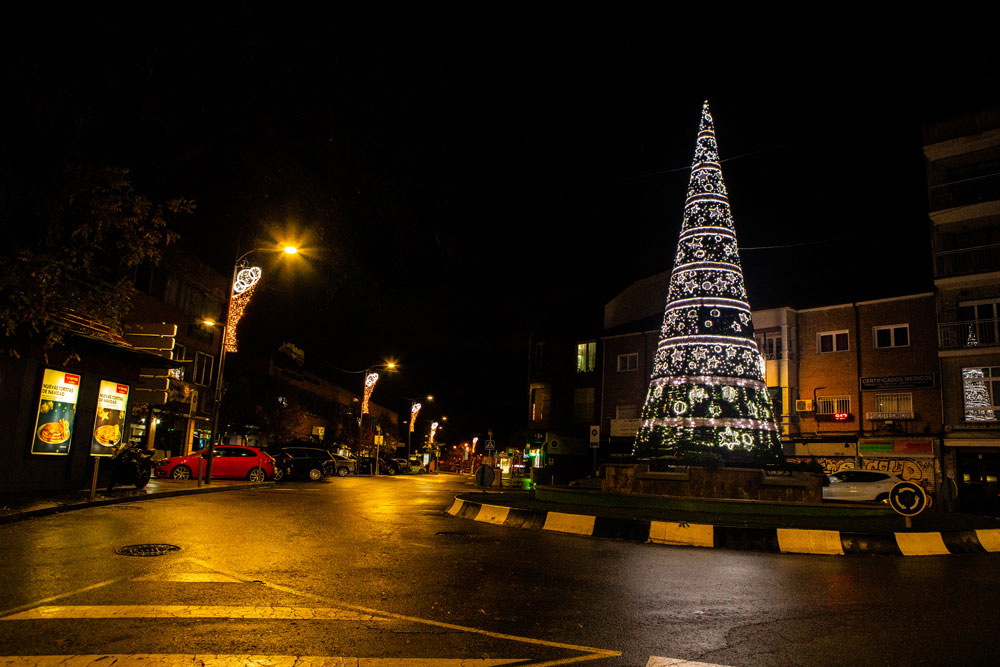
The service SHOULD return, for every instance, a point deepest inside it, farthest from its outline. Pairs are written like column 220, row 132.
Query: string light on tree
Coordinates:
column 707, row 390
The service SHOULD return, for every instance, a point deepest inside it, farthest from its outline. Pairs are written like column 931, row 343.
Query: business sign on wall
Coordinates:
column 109, row 422
column 53, row 432
column 895, row 446
column 917, row 381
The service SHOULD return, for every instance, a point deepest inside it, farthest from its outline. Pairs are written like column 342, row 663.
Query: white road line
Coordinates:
column 656, row 661
column 246, row 660
column 190, row 611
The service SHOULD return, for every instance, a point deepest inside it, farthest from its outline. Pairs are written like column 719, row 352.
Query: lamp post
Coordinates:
column 241, row 288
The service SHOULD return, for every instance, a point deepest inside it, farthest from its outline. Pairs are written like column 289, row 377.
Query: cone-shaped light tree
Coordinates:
column 707, row 391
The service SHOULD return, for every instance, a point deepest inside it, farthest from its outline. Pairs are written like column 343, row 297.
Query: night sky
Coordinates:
column 462, row 179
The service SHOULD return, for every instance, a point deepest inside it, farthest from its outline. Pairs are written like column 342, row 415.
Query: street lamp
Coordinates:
column 245, row 279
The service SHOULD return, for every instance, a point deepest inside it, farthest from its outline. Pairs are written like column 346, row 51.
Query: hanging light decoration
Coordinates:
column 413, row 414
column 243, row 286
column 370, row 381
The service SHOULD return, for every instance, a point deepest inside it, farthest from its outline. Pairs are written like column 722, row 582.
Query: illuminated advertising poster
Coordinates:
column 56, row 412
column 109, row 424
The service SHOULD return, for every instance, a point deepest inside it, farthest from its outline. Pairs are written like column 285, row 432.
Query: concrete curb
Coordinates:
column 68, row 507
column 775, row 540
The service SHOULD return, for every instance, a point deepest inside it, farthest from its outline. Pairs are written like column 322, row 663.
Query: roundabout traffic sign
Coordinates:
column 908, row 499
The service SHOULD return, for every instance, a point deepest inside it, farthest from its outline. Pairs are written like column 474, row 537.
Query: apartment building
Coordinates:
column 963, row 176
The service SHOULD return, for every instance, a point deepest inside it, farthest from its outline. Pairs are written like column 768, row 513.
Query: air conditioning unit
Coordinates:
column 802, row 405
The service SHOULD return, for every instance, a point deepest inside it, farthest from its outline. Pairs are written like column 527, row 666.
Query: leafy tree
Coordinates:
column 74, row 238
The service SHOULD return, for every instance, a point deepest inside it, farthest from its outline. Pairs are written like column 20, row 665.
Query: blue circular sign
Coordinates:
column 908, row 499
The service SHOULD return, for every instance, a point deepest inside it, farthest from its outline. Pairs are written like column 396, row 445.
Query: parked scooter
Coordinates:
column 131, row 464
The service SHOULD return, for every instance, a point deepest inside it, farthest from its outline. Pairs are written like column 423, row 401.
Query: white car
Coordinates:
column 859, row 485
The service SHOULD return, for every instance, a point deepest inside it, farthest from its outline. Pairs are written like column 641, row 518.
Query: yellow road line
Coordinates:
column 242, row 660
column 190, row 611
column 578, row 524
column 683, row 534
column 921, row 544
column 801, row 541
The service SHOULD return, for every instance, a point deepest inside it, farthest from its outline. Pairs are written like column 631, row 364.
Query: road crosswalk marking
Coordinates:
column 327, row 609
column 655, row 661
column 191, row 611
column 171, row 659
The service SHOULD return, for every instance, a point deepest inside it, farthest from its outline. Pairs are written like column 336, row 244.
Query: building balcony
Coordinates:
column 981, row 259
column 963, row 193
column 968, row 335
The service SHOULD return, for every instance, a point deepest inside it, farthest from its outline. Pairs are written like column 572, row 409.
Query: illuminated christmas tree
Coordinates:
column 707, row 391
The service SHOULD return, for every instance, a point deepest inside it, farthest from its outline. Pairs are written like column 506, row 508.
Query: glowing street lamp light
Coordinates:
column 245, row 278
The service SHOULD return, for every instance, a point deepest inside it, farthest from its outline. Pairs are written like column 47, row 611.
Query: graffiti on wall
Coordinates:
column 919, row 470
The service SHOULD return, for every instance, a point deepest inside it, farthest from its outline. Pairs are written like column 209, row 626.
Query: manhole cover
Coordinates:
column 146, row 549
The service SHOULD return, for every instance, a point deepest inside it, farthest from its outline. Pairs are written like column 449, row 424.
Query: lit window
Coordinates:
column 586, row 357
column 831, row 341
column 628, row 362
column 895, row 335
column 833, row 405
column 980, row 387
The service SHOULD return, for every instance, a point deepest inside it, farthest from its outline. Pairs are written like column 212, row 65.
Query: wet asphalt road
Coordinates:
column 374, row 567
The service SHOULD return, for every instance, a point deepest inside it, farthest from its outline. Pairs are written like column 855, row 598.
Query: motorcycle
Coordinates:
column 131, row 464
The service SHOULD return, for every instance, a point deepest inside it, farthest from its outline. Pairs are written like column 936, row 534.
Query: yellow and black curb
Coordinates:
column 777, row 540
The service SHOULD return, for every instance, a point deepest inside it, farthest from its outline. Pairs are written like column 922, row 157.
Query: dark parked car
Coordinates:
column 304, row 462
column 385, row 466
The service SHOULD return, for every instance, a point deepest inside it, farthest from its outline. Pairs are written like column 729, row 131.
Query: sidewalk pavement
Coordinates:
column 24, row 506
column 822, row 532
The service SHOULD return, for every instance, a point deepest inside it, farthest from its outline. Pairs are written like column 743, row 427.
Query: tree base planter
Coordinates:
column 721, row 483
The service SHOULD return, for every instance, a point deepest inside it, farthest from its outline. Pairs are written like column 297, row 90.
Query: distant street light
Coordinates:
column 245, row 278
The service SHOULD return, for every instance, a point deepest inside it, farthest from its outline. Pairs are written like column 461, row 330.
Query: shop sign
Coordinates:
column 56, row 412
column 887, row 416
column 625, row 428
column 109, row 423
column 896, row 446
column 916, row 381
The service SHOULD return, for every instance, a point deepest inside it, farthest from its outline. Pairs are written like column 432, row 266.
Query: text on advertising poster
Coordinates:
column 56, row 412
column 109, row 423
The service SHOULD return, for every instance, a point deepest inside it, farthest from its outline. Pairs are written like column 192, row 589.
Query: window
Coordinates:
column 895, row 402
column 628, row 362
column 586, row 357
column 203, row 364
column 583, row 404
column 627, row 412
column 894, row 335
column 538, row 357
column 772, row 346
column 832, row 405
column 981, row 318
column 540, row 402
column 831, row 341
column 980, row 387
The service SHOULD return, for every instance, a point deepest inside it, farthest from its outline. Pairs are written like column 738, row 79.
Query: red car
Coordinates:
column 230, row 461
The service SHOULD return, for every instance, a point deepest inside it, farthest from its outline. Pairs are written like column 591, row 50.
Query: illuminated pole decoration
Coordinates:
column 370, row 381
column 707, row 389
column 414, row 410
column 243, row 286
column 434, row 428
